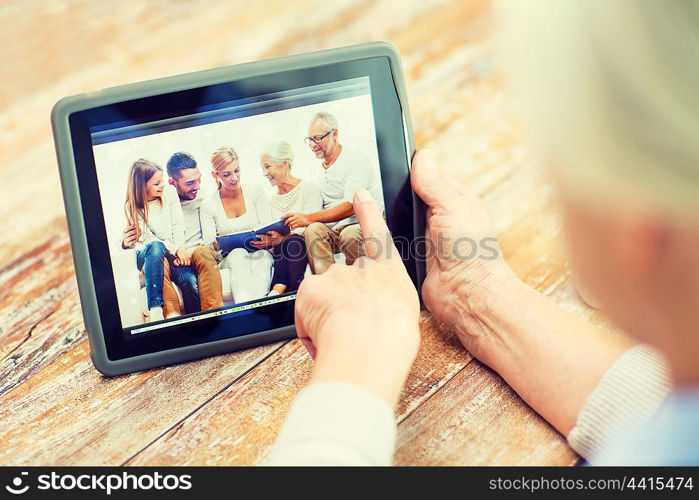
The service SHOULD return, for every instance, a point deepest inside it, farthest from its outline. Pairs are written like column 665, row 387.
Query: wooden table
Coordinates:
column 55, row 408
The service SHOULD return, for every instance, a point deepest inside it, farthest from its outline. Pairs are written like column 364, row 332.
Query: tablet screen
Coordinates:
column 218, row 172
column 206, row 213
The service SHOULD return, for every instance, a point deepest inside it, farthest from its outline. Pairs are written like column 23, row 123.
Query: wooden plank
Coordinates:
column 476, row 419
column 240, row 426
column 44, row 347
column 68, row 414
column 40, row 313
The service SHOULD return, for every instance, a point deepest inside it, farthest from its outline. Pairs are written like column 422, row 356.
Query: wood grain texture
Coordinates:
column 56, row 409
column 239, row 427
column 69, row 414
column 468, row 420
column 40, row 315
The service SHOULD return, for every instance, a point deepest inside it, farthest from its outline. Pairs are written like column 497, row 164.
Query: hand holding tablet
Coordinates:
column 282, row 157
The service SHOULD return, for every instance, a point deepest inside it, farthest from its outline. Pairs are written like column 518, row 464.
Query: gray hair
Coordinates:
column 279, row 151
column 329, row 120
column 611, row 92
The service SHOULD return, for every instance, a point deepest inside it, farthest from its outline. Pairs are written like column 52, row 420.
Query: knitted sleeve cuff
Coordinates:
column 630, row 393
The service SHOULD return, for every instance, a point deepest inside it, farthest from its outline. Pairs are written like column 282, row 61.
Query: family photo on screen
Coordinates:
column 253, row 235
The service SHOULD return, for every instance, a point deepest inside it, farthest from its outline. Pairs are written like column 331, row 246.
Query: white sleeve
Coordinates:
column 334, row 423
column 629, row 394
column 208, row 222
column 141, row 242
column 358, row 177
column 312, row 199
column 176, row 224
column 263, row 209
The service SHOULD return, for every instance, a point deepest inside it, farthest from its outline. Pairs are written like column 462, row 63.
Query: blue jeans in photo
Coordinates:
column 186, row 280
column 150, row 259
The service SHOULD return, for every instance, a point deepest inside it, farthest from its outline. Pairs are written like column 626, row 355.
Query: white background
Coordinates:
column 247, row 136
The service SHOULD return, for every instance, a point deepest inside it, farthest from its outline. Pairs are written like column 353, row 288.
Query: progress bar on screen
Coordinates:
column 213, row 314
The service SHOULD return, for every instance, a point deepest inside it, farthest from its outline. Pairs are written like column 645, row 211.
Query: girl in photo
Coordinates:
column 155, row 229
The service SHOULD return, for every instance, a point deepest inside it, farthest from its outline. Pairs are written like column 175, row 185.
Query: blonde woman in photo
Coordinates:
column 232, row 209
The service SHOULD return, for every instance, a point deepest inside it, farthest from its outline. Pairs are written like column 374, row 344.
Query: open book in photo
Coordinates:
column 230, row 242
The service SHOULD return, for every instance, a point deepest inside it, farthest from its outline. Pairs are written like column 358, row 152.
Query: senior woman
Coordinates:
column 609, row 90
column 234, row 209
column 293, row 195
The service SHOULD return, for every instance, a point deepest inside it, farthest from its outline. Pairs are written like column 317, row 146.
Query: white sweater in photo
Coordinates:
column 352, row 171
column 305, row 198
column 215, row 222
column 191, row 212
column 165, row 222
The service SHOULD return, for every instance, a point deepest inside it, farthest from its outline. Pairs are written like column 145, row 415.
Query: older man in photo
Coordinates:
column 343, row 171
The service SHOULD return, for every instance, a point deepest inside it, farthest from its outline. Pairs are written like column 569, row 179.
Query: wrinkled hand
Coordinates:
column 182, row 257
column 129, row 239
column 464, row 258
column 360, row 322
column 269, row 240
column 296, row 220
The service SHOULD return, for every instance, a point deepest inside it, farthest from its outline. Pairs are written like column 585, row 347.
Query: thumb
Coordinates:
column 426, row 179
column 301, row 332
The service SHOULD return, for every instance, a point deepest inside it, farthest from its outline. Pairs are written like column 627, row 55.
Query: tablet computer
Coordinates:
column 179, row 192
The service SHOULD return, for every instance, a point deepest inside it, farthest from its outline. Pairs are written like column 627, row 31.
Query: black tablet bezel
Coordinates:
column 393, row 159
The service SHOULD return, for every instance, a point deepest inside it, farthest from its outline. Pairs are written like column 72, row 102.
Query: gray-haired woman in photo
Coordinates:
column 293, row 195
